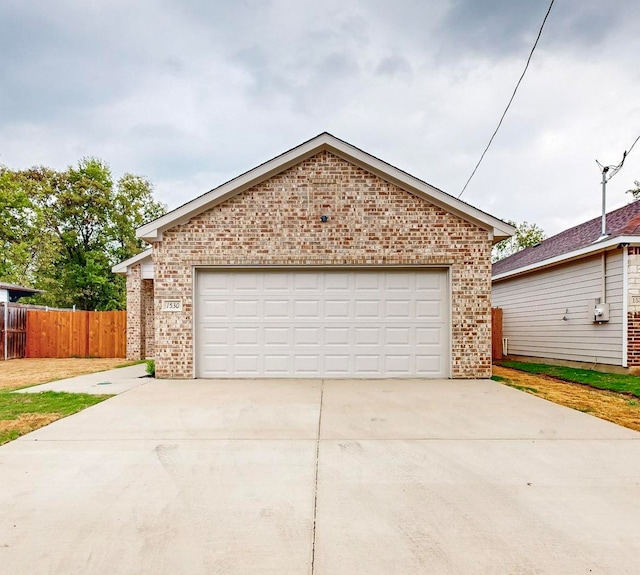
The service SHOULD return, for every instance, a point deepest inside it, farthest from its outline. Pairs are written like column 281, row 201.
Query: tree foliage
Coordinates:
column 63, row 231
column 526, row 235
column 635, row 192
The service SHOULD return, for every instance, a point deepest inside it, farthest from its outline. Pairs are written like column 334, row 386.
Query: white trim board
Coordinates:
column 592, row 249
column 498, row 229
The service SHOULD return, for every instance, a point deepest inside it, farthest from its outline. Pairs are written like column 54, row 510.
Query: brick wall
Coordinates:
column 371, row 222
column 633, row 310
column 135, row 314
column 140, row 315
column 149, row 314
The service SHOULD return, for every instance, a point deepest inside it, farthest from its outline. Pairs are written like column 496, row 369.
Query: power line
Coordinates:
column 510, row 100
column 613, row 170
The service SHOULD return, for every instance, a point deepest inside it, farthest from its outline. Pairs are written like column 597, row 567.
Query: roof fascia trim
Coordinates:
column 123, row 267
column 498, row 229
column 573, row 255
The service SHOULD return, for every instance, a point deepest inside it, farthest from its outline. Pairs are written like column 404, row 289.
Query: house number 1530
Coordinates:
column 171, row 305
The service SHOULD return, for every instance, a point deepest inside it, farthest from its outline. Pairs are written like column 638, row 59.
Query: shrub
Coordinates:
column 151, row 367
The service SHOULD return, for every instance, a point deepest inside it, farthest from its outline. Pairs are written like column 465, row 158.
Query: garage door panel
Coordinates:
column 398, row 364
column 245, row 309
column 429, row 282
column 367, row 365
column 307, row 309
column 337, row 365
column 245, row 283
column 322, row 324
column 306, row 364
column 214, row 309
column 246, row 336
column 217, row 365
column 276, row 336
column 307, row 336
column 246, row 364
column 367, row 282
column 428, row 309
column 365, row 336
column 277, row 309
column 429, row 335
column 337, row 309
column 276, row 283
column 276, row 365
column 430, row 365
column 306, row 282
column 367, row 308
column 398, row 336
column 399, row 309
column 336, row 336
column 216, row 336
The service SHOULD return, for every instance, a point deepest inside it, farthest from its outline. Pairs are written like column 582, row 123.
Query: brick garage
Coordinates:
column 328, row 217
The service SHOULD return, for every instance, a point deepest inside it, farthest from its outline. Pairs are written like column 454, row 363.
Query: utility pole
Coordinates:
column 607, row 173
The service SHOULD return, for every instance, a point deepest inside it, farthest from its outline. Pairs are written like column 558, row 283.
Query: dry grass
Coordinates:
column 616, row 407
column 17, row 373
column 27, row 422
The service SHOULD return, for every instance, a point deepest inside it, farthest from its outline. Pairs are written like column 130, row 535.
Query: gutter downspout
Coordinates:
column 625, row 305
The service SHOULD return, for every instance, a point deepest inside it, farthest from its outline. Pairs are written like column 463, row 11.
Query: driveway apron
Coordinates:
column 313, row 477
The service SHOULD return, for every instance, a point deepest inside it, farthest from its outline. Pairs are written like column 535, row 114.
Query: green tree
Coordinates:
column 80, row 223
column 635, row 192
column 23, row 248
column 526, row 235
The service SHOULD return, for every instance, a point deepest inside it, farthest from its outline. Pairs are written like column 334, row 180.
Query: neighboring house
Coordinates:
column 551, row 294
column 322, row 262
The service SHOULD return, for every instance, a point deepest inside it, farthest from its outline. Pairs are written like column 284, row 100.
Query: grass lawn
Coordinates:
column 621, row 408
column 21, row 413
column 620, row 383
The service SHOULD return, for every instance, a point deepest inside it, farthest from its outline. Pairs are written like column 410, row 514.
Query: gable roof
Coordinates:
column 621, row 223
column 123, row 267
column 325, row 142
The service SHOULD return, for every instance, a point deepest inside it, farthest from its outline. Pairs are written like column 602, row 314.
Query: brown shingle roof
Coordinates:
column 624, row 221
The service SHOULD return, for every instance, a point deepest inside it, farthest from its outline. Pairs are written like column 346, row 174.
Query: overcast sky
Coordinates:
column 191, row 93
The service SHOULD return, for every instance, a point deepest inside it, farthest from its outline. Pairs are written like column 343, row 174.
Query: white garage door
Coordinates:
column 324, row 324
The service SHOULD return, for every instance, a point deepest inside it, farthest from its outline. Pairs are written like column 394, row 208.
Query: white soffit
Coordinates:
column 152, row 231
column 142, row 257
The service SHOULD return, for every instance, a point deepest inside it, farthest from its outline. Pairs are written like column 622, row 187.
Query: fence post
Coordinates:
column 496, row 333
column 4, row 298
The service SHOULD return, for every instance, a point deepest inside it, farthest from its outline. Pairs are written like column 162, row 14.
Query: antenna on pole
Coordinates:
column 607, row 173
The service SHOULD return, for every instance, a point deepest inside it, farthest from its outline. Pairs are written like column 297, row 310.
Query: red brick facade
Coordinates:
column 370, row 223
column 633, row 339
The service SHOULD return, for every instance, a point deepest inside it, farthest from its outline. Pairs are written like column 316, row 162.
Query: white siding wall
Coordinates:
column 534, row 305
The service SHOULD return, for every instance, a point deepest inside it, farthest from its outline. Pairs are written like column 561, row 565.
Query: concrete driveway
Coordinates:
column 334, row 477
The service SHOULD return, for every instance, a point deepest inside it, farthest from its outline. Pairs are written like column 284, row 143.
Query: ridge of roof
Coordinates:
column 624, row 221
column 324, row 141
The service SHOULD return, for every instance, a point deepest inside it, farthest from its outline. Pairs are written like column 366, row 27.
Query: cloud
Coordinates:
column 191, row 94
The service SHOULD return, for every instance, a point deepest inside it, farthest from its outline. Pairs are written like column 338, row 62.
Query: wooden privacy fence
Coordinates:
column 496, row 333
column 14, row 332
column 76, row 334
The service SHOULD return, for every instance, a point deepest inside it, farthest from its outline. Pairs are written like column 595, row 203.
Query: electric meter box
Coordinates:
column 599, row 311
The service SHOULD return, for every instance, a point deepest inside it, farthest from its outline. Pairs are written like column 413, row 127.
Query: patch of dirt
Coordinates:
column 28, row 422
column 616, row 407
column 17, row 373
